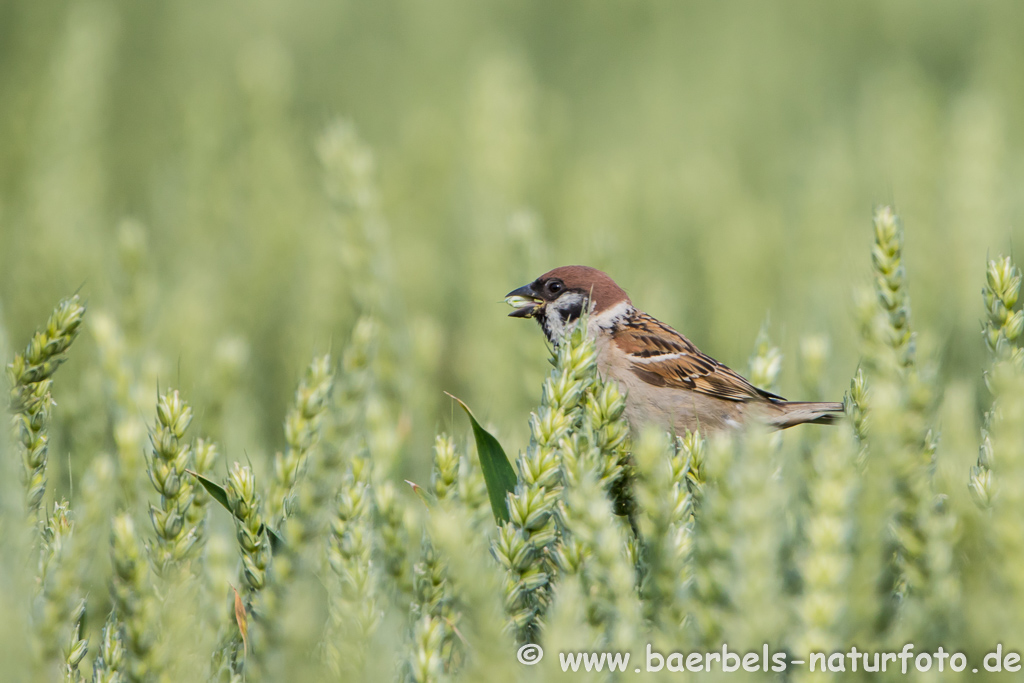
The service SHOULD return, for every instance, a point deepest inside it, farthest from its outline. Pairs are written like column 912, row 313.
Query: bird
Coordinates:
column 667, row 381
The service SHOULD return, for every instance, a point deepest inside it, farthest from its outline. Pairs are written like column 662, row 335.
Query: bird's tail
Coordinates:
column 807, row 412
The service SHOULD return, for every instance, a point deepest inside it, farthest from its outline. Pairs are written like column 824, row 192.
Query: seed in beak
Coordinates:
column 525, row 306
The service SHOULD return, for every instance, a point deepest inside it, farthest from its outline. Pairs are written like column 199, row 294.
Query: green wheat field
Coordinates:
column 247, row 247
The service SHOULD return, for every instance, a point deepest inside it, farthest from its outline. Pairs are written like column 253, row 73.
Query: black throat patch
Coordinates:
column 556, row 320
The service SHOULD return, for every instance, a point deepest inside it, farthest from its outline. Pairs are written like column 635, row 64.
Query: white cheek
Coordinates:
column 556, row 328
column 610, row 317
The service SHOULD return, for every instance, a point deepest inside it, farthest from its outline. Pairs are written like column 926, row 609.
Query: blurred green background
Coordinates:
column 719, row 160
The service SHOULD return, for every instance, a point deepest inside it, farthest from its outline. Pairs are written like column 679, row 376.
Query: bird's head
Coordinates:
column 558, row 298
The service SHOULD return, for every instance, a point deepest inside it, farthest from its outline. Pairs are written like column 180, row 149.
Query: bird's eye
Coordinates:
column 554, row 287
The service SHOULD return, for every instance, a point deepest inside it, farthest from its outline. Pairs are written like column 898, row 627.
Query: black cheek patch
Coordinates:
column 545, row 326
column 571, row 312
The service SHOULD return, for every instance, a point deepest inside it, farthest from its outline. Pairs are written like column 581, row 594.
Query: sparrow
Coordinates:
column 666, row 379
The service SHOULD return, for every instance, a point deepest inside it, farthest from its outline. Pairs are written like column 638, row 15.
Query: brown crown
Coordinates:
column 601, row 288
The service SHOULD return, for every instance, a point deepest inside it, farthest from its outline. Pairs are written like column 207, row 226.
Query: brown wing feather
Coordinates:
column 686, row 367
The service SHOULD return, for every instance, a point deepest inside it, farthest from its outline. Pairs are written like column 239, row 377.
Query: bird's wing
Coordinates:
column 662, row 357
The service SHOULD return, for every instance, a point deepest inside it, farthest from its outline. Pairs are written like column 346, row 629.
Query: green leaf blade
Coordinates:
column 498, row 473
column 220, row 494
column 215, row 490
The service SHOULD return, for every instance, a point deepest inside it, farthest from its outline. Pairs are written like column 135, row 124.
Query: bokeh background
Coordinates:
column 233, row 183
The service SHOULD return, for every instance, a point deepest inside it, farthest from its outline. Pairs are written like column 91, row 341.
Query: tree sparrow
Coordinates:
column 666, row 379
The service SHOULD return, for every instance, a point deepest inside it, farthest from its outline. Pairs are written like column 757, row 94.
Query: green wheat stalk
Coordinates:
column 1001, row 332
column 31, row 377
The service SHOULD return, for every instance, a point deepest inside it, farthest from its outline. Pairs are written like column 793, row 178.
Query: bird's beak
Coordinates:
column 525, row 300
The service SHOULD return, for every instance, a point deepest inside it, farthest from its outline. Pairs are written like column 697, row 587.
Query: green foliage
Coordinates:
column 612, row 540
column 311, row 284
column 1001, row 331
column 498, row 473
column 30, row 376
column 169, row 461
column 302, row 431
